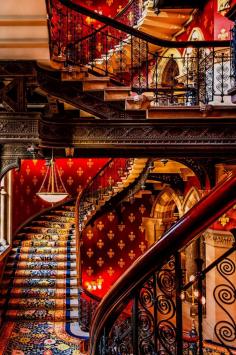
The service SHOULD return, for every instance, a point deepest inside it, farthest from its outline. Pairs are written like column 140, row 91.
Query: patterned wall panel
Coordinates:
column 114, row 242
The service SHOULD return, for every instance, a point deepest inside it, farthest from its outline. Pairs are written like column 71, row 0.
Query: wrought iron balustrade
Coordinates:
column 157, row 325
column 194, row 73
column 168, row 316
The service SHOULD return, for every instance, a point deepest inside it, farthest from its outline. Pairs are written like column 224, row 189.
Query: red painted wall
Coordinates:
column 27, row 181
column 105, row 7
column 211, row 23
column 113, row 244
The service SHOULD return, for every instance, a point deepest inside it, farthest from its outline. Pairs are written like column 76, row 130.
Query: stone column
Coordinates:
column 219, row 283
column 3, row 194
column 154, row 229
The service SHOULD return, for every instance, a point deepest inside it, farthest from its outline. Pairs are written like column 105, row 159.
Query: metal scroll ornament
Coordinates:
column 225, row 297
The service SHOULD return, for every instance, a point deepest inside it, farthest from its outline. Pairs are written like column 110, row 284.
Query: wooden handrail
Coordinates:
column 77, row 232
column 139, row 34
column 196, row 220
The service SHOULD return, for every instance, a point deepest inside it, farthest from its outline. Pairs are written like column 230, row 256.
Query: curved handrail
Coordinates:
column 197, row 219
column 132, row 188
column 139, row 34
column 80, row 197
column 78, row 233
column 121, row 13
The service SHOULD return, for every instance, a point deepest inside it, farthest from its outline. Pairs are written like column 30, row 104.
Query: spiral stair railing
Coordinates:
column 159, row 271
column 105, row 187
column 127, row 57
column 76, row 29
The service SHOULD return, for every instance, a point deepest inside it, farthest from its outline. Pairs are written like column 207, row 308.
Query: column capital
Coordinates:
column 221, row 239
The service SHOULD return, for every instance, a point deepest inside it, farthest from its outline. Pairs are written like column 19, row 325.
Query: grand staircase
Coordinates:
column 40, row 281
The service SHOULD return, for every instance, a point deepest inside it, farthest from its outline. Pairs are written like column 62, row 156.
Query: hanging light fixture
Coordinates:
column 52, row 189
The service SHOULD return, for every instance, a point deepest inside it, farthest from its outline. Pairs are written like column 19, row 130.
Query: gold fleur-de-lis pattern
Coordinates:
column 28, row 180
column 111, row 235
column 106, row 244
column 117, row 240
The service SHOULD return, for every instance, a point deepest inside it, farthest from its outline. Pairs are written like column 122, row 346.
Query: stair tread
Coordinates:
column 43, row 243
column 48, row 303
column 42, row 265
column 29, row 292
column 39, row 273
column 41, row 315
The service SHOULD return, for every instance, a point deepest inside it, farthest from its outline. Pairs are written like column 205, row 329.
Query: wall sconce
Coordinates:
column 94, row 285
column 194, row 297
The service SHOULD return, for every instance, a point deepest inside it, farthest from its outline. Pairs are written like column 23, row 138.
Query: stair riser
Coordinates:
column 31, row 315
column 44, row 258
column 58, row 274
column 21, row 303
column 39, row 294
column 40, row 283
column 44, row 243
column 44, row 266
column 53, row 238
column 42, row 250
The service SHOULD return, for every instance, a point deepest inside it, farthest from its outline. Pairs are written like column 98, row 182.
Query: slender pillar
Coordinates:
column 2, row 213
column 154, row 229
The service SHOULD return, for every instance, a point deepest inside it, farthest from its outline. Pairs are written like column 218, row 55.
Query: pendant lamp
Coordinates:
column 52, row 189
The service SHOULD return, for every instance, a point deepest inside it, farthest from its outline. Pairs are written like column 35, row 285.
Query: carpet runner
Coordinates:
column 39, row 288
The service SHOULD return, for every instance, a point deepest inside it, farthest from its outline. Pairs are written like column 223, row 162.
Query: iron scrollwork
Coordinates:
column 225, row 297
column 156, row 313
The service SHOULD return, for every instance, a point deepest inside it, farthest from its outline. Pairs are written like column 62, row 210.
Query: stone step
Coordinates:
column 42, row 250
column 40, row 283
column 21, row 303
column 52, row 224
column 41, row 314
column 41, row 257
column 58, row 218
column 44, row 243
column 45, row 265
column 41, row 293
column 68, row 208
column 46, row 230
column 39, row 273
column 116, row 93
column 48, row 237
column 95, row 83
column 64, row 213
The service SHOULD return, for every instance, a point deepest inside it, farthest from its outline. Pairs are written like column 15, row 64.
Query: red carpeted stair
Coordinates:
column 40, row 275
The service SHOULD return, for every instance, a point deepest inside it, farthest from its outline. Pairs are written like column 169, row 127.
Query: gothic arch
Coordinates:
column 165, row 205
column 192, row 197
column 163, row 63
column 195, row 35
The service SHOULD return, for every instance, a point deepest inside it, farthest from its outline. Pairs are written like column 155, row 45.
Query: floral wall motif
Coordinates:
column 75, row 173
column 213, row 24
column 226, row 222
column 114, row 242
column 105, row 7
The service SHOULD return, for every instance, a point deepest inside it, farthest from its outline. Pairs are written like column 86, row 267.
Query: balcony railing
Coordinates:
column 165, row 73
column 166, row 314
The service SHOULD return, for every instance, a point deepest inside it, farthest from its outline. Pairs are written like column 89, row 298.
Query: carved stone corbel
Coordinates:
column 11, row 155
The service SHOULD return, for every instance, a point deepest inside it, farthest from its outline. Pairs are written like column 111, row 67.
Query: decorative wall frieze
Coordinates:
column 216, row 238
column 19, row 127
column 158, row 135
